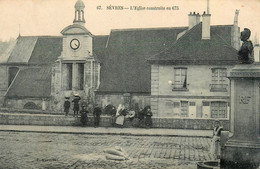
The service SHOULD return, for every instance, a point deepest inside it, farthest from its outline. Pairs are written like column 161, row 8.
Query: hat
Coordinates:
column 76, row 94
column 67, row 97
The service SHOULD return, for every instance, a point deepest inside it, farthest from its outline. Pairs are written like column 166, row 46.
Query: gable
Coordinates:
column 75, row 29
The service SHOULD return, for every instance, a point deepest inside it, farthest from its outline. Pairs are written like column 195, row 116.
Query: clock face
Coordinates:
column 74, row 44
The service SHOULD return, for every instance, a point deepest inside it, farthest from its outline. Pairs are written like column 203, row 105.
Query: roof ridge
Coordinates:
column 39, row 36
column 158, row 28
column 188, row 32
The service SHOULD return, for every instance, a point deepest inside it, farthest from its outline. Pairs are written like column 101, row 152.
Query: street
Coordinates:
column 50, row 150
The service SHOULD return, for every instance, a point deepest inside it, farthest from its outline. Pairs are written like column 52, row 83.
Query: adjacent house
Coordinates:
column 188, row 80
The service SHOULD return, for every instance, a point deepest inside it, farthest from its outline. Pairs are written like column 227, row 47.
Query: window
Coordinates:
column 218, row 110
column 219, row 80
column 192, row 103
column 180, row 78
column 184, row 108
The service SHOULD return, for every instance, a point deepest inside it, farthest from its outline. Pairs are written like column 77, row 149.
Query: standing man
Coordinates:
column 66, row 106
column 96, row 113
column 76, row 104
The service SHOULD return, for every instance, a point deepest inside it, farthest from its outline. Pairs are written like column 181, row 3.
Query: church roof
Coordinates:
column 123, row 64
column 23, row 50
column 36, row 50
column 41, row 51
column 31, row 82
column 191, row 49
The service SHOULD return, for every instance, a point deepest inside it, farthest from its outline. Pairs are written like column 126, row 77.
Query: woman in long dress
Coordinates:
column 215, row 144
column 119, row 117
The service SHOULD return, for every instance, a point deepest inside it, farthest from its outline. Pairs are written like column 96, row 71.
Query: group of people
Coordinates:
column 85, row 110
column 143, row 117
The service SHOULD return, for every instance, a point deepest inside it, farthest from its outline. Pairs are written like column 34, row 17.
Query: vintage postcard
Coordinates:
column 129, row 84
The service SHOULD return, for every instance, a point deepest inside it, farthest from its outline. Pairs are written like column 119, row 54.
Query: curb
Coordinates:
column 99, row 133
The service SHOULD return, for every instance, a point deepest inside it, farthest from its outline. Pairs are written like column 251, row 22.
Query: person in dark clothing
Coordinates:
column 66, row 106
column 111, row 110
column 96, row 114
column 84, row 116
column 76, row 104
column 141, row 117
column 84, row 103
column 148, row 117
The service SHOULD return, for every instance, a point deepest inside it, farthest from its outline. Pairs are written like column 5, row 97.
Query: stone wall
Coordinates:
column 20, row 103
column 116, row 99
column 106, row 121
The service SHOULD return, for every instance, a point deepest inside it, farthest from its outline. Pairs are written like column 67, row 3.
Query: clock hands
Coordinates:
column 74, row 44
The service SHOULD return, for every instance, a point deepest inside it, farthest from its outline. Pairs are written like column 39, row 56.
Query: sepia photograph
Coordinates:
column 138, row 84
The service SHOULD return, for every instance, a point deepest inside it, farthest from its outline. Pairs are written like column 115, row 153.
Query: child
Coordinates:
column 215, row 144
column 66, row 106
column 84, row 116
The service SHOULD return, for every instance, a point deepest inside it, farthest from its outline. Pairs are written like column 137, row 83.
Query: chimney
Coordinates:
column 205, row 26
column 197, row 18
column 192, row 19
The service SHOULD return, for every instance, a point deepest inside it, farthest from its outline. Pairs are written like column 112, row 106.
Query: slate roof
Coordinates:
column 36, row 50
column 123, row 64
column 22, row 50
column 42, row 51
column 46, row 50
column 191, row 49
column 31, row 83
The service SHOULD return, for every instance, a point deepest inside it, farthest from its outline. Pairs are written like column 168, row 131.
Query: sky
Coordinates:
column 49, row 17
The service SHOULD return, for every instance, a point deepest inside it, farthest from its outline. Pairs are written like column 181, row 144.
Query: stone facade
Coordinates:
column 166, row 100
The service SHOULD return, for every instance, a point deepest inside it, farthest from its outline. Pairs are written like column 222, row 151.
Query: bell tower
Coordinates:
column 79, row 13
column 76, row 70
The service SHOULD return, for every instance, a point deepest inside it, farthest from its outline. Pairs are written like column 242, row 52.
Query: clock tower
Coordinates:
column 76, row 70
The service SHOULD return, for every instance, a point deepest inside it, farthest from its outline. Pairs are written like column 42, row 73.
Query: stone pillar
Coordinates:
column 243, row 148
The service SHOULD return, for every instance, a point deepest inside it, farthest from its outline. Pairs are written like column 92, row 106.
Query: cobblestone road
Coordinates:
column 41, row 150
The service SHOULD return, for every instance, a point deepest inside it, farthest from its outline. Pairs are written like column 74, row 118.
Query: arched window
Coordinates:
column 30, row 105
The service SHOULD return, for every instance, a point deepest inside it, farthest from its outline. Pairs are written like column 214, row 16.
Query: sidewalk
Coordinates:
column 108, row 131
